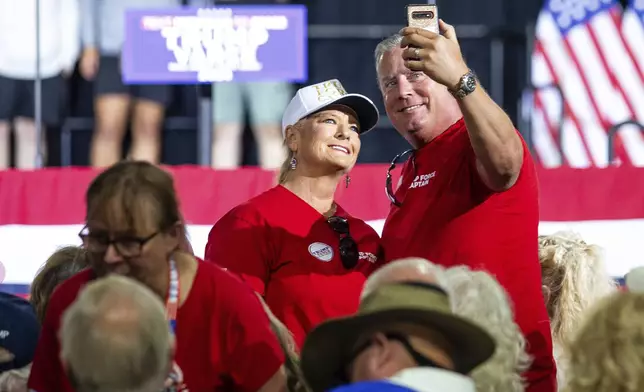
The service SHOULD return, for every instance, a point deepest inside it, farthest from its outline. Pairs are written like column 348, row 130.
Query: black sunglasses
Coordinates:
column 349, row 254
column 389, row 190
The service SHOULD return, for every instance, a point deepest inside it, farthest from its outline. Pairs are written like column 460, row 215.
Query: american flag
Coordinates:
column 586, row 81
column 633, row 31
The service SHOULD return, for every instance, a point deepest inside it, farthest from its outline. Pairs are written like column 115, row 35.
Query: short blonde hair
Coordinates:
column 607, row 351
column 115, row 337
column 60, row 266
column 574, row 277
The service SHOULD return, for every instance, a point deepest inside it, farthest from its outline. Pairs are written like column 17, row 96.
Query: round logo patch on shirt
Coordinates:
column 321, row 251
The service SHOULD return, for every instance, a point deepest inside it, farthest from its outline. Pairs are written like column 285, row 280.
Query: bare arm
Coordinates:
column 496, row 144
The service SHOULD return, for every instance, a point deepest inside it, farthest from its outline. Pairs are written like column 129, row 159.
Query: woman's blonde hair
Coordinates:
column 296, row 381
column 574, row 277
column 607, row 352
column 60, row 266
column 286, row 166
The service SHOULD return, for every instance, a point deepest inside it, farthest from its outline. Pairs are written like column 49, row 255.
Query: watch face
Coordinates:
column 469, row 84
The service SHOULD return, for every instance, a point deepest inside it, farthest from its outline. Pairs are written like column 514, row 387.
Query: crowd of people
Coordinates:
column 294, row 293
column 89, row 35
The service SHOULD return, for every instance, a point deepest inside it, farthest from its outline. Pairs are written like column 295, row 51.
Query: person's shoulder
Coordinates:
column 220, row 278
column 255, row 208
column 67, row 291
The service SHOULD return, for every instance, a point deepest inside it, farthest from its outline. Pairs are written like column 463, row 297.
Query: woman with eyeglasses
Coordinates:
column 224, row 340
column 293, row 244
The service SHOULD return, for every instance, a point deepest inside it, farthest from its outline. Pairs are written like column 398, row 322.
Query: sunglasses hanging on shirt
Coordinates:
column 349, row 254
column 400, row 158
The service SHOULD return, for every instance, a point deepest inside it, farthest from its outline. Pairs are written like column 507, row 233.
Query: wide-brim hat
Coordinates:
column 316, row 97
column 328, row 347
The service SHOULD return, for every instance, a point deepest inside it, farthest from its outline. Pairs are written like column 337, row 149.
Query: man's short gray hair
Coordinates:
column 115, row 337
column 385, row 46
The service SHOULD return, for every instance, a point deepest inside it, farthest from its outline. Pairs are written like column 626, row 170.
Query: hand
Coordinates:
column 89, row 62
column 437, row 55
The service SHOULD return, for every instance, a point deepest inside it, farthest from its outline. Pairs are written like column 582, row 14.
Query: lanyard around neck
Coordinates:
column 172, row 300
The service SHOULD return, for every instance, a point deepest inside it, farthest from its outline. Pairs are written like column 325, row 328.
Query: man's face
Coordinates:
column 412, row 99
column 381, row 355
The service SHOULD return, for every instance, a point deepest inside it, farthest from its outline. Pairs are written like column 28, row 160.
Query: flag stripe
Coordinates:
column 569, row 111
column 584, row 51
column 621, row 108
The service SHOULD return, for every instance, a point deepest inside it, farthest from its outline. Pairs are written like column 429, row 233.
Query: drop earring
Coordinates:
column 293, row 163
column 347, row 181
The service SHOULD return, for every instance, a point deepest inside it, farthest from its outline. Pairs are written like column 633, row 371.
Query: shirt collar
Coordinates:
column 426, row 379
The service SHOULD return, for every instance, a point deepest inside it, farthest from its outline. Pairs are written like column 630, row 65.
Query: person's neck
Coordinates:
column 318, row 192
column 447, row 119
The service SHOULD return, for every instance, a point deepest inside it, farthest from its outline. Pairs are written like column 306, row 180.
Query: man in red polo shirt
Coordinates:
column 468, row 194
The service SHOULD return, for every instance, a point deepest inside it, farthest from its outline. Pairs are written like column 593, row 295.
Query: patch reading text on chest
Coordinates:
column 422, row 180
column 321, row 251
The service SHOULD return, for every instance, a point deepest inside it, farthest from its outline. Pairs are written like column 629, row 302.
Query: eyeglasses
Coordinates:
column 349, row 254
column 388, row 186
column 125, row 246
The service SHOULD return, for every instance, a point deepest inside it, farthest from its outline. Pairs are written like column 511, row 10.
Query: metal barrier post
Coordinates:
column 612, row 132
column 38, row 95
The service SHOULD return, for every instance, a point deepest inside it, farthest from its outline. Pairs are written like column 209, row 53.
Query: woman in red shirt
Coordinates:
column 224, row 339
column 293, row 244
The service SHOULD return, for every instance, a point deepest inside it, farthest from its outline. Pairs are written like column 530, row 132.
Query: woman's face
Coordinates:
column 140, row 252
column 327, row 139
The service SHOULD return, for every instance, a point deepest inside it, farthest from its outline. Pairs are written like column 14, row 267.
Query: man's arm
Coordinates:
column 496, row 144
column 498, row 147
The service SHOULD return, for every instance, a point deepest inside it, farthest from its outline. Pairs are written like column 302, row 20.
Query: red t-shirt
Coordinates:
column 287, row 252
column 449, row 216
column 223, row 336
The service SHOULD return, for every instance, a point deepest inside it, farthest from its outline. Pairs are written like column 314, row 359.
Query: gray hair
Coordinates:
column 385, row 46
column 115, row 337
column 478, row 297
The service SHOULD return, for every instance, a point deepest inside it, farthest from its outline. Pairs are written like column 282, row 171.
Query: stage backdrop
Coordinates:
column 43, row 210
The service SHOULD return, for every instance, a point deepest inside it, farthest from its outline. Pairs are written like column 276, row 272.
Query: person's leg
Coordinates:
column 228, row 125
column 267, row 102
column 8, row 96
column 147, row 123
column 111, row 110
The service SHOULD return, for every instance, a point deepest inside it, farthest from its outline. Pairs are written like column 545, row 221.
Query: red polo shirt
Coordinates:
column 285, row 250
column 223, row 336
column 449, row 216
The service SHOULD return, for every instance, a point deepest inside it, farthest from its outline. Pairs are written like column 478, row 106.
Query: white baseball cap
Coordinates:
column 311, row 99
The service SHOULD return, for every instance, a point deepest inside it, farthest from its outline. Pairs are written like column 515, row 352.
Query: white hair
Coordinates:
column 385, row 46
column 574, row 278
column 477, row 296
column 115, row 337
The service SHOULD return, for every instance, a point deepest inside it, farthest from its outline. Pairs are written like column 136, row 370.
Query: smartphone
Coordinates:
column 424, row 16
